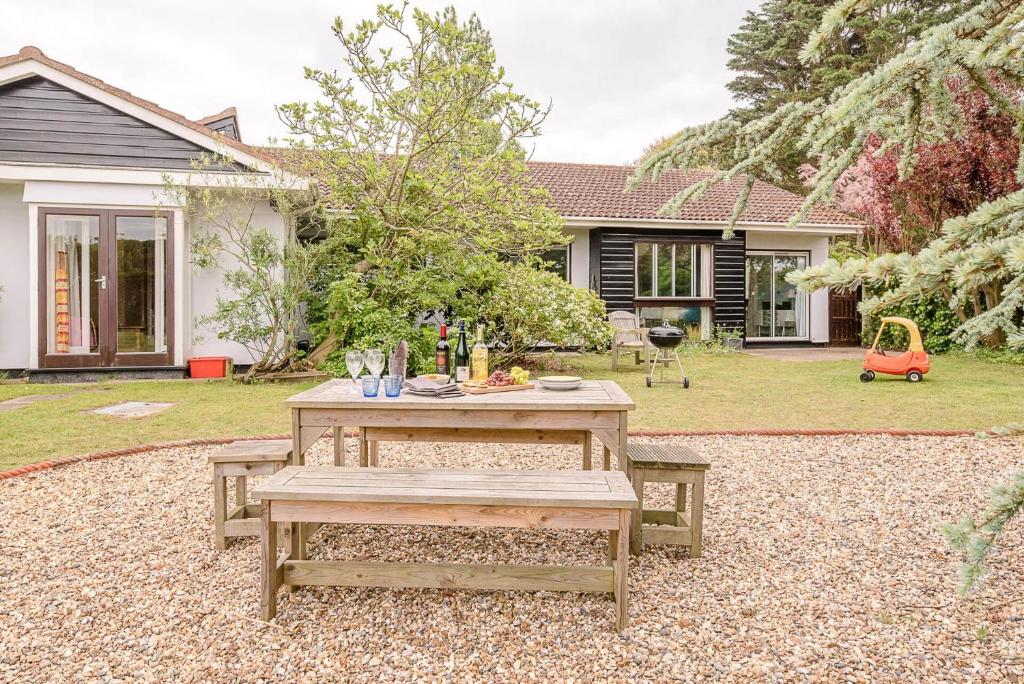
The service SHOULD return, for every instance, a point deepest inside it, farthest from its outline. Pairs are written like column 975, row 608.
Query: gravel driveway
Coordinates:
column 821, row 561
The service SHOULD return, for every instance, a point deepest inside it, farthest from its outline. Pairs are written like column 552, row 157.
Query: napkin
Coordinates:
column 428, row 388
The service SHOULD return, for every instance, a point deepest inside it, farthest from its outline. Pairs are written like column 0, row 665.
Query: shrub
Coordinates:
column 528, row 307
column 932, row 315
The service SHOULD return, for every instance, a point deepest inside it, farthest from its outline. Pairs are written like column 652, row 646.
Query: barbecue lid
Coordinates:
column 666, row 330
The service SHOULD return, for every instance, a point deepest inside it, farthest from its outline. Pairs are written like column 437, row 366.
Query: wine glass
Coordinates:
column 374, row 361
column 354, row 363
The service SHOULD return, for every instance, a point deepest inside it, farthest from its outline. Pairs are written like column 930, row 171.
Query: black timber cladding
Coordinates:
column 228, row 126
column 47, row 123
column 617, row 263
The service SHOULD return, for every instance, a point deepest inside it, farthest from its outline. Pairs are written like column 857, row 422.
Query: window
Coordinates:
column 673, row 270
column 557, row 260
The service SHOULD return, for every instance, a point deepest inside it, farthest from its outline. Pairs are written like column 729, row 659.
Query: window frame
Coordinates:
column 704, row 299
column 568, row 261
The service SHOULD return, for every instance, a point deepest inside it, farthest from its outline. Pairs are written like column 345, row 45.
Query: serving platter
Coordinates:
column 470, row 388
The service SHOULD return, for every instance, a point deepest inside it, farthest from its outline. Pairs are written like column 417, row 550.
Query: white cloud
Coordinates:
column 620, row 74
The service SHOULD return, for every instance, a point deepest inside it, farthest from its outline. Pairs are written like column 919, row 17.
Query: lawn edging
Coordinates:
column 50, row 464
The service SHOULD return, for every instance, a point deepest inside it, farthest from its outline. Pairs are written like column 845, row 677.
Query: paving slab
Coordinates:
column 133, row 409
column 28, row 400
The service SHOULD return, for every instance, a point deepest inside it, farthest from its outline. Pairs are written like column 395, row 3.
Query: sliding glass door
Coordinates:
column 105, row 288
column 776, row 310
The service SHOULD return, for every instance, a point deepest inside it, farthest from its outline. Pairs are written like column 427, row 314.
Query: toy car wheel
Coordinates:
column 915, row 376
column 648, row 382
column 867, row 376
column 686, row 383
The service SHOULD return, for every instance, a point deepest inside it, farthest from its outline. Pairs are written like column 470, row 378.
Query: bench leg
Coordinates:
column 636, row 476
column 240, row 493
column 588, row 448
column 339, row 446
column 268, row 564
column 220, row 505
column 681, row 497
column 622, row 571
column 697, row 517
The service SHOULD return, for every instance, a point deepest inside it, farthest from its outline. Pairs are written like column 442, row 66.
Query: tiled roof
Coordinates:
column 599, row 191
column 30, row 52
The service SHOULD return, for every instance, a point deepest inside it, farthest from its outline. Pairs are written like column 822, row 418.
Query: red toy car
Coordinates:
column 912, row 364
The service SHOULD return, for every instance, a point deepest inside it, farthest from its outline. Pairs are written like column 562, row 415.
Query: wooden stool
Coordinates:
column 240, row 460
column 667, row 463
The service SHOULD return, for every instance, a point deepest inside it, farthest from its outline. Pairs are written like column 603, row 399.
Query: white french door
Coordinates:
column 106, row 288
column 776, row 310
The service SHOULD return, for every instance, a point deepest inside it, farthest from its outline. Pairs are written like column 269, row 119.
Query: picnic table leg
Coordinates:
column 339, row 446
column 364, row 453
column 374, row 449
column 296, row 438
column 697, row 517
column 268, row 564
column 621, row 585
column 607, row 456
column 620, row 450
column 588, row 447
column 636, row 476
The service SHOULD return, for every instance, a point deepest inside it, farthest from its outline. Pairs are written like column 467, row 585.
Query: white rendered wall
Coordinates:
column 204, row 285
column 579, row 257
column 817, row 245
column 14, row 278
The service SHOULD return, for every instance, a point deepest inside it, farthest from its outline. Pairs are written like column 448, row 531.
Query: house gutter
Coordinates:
column 755, row 226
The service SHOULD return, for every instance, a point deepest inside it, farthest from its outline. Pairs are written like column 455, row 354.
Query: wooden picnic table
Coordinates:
column 599, row 408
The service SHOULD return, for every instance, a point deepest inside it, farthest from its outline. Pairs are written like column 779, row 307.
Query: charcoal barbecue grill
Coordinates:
column 666, row 340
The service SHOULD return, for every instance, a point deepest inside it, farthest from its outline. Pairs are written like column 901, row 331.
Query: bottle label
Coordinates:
column 461, row 373
column 442, row 363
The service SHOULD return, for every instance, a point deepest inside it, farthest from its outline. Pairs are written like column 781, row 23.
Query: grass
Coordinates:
column 729, row 391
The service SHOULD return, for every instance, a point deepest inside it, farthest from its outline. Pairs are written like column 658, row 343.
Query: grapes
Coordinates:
column 500, row 378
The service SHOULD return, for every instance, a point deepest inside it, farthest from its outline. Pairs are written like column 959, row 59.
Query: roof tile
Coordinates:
column 599, row 191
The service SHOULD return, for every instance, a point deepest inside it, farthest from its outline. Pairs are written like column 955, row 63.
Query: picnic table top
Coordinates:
column 544, row 488
column 593, row 395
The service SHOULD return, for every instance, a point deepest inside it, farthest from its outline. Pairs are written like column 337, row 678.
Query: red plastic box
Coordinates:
column 207, row 366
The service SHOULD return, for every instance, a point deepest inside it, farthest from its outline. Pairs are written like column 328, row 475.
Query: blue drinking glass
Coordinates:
column 392, row 385
column 371, row 383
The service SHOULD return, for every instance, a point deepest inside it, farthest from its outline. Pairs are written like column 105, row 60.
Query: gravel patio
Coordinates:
column 821, row 560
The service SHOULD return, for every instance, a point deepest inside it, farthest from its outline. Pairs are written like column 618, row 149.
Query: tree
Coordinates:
column 266, row 276
column 765, row 54
column 907, row 101
column 951, row 178
column 420, row 149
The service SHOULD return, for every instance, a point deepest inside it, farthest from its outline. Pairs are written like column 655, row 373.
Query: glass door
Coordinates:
column 105, row 296
column 140, row 261
column 776, row 310
column 72, row 276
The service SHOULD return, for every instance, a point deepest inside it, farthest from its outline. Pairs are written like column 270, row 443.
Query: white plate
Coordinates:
column 561, row 380
column 560, row 386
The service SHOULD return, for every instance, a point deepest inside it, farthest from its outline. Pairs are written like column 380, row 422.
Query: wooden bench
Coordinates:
column 240, row 460
column 668, row 463
column 297, row 495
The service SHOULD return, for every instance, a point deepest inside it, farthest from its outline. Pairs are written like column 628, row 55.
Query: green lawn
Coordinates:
column 727, row 391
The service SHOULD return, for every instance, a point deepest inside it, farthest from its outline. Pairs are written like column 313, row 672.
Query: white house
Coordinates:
column 94, row 280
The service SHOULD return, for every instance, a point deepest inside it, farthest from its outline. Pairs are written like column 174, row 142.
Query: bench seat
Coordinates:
column 301, row 495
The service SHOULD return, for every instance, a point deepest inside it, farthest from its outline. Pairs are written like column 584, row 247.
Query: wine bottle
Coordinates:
column 443, row 352
column 462, row 355
column 480, row 356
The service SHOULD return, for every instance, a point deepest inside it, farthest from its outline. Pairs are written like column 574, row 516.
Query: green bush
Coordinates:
column 528, row 307
column 932, row 315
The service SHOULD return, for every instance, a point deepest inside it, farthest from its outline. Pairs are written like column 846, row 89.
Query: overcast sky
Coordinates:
column 619, row 74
